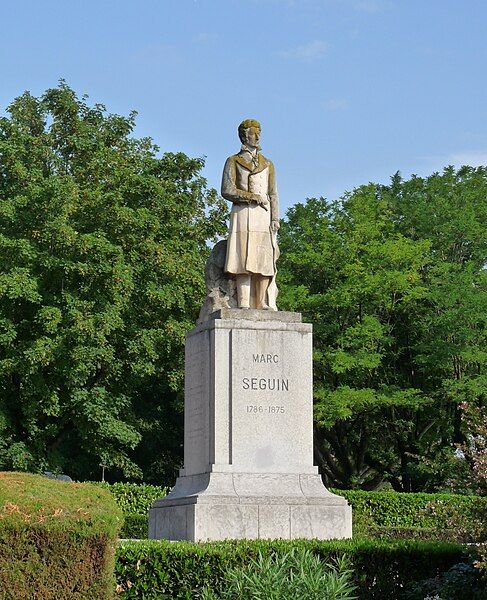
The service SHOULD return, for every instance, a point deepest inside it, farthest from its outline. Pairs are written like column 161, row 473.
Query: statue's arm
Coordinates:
column 273, row 197
column 229, row 186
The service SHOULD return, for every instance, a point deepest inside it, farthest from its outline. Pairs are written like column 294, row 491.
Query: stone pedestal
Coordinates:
column 248, row 436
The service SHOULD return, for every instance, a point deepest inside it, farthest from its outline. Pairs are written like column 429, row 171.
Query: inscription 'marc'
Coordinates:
column 261, row 383
column 265, row 358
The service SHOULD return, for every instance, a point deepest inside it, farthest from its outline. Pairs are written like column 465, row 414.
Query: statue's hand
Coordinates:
column 262, row 201
column 275, row 226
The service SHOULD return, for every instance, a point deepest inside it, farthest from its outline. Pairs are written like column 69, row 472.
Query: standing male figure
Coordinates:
column 249, row 182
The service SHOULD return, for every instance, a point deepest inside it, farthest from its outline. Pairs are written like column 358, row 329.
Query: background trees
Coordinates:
column 102, row 251
column 393, row 279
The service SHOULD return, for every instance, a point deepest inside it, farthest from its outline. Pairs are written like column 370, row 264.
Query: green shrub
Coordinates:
column 57, row 539
column 394, row 509
column 134, row 498
column 418, row 516
column 383, row 509
column 415, row 533
column 137, row 527
column 461, row 582
column 295, row 574
column 162, row 570
column 134, row 527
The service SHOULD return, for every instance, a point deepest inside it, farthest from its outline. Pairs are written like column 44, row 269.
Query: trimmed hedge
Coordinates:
column 57, row 539
column 134, row 498
column 394, row 509
column 415, row 533
column 135, row 527
column 162, row 570
column 382, row 509
column 418, row 516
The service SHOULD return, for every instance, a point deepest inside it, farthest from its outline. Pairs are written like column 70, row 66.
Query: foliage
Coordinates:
column 473, row 450
column 161, row 569
column 295, row 574
column 393, row 509
column 135, row 526
column 470, row 526
column 424, row 516
column 461, row 582
column 57, row 539
column 393, row 279
column 375, row 532
column 102, row 253
column 134, row 498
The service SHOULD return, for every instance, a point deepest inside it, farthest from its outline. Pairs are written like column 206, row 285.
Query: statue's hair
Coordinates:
column 246, row 125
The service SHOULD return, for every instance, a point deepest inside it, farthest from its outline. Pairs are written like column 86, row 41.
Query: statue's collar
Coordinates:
column 251, row 159
column 252, row 150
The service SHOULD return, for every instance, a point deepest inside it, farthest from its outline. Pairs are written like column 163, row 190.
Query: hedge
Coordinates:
column 382, row 509
column 413, row 533
column 135, row 526
column 57, row 539
column 134, row 498
column 420, row 514
column 163, row 570
column 394, row 509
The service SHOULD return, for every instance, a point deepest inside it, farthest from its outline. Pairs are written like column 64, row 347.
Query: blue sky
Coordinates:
column 347, row 91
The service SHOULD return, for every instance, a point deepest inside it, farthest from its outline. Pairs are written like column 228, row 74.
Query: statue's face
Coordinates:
column 252, row 136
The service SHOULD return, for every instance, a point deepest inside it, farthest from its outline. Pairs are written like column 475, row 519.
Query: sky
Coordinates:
column 347, row 91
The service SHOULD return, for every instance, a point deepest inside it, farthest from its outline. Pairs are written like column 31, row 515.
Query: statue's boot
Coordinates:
column 272, row 292
column 261, row 283
column 243, row 290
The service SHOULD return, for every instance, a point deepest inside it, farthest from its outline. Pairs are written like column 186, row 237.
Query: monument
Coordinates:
column 248, row 414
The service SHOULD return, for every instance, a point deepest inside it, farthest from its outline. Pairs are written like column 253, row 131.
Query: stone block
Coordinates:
column 248, row 446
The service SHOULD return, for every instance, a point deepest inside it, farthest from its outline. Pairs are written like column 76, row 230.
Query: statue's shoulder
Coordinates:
column 231, row 160
column 266, row 161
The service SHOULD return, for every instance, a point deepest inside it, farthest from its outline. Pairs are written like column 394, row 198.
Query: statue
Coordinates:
column 249, row 182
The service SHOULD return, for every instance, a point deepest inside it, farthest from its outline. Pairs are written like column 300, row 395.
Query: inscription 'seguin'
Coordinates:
column 261, row 383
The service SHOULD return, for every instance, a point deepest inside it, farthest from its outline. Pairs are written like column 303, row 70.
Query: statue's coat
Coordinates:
column 251, row 244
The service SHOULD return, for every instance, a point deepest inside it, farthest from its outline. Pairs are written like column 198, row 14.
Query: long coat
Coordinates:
column 251, row 244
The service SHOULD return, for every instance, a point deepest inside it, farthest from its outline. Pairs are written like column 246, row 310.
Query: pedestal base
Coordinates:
column 248, row 436
column 218, row 506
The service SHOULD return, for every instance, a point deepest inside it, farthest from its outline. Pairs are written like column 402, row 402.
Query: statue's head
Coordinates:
column 249, row 132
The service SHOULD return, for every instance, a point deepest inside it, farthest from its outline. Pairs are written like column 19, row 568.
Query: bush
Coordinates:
column 295, row 574
column 395, row 509
column 57, row 539
column 134, row 498
column 414, row 533
column 461, row 582
column 135, row 527
column 383, row 515
column 163, row 570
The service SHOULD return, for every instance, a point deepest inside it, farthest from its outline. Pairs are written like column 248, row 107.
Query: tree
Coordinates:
column 102, row 247
column 450, row 211
column 395, row 306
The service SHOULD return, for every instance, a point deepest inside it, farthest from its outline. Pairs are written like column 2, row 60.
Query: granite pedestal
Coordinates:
column 248, row 437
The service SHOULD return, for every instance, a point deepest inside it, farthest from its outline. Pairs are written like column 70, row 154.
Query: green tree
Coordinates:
column 397, row 309
column 449, row 337
column 102, row 246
